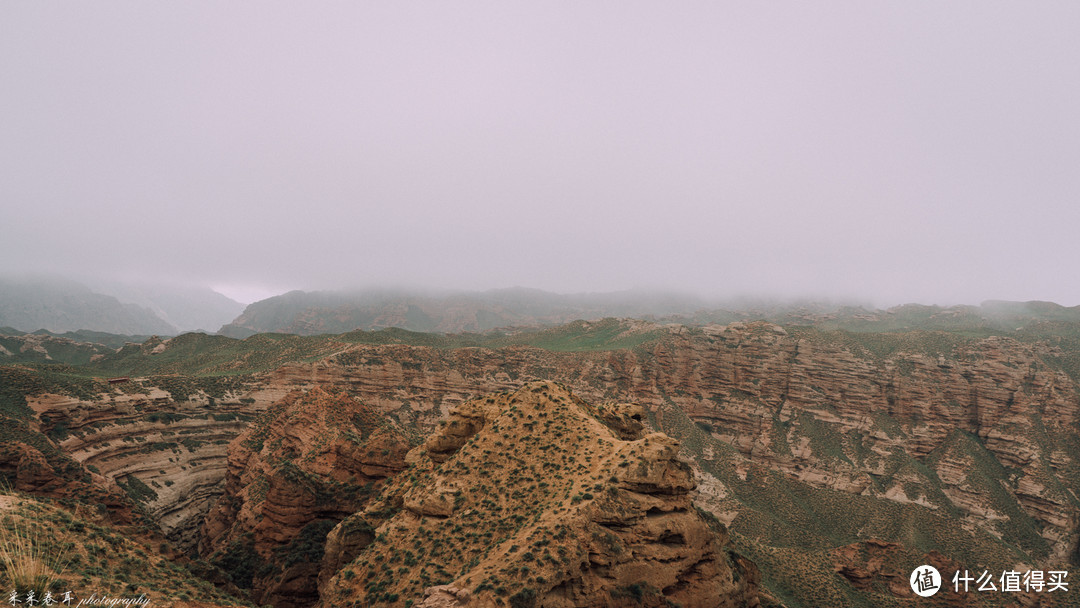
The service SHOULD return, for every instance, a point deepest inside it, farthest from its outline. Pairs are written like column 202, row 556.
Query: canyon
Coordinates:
column 976, row 433
column 313, row 459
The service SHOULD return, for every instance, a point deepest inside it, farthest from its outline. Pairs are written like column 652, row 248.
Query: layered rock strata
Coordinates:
column 27, row 469
column 311, row 460
column 540, row 498
column 170, row 454
column 991, row 422
column 824, row 408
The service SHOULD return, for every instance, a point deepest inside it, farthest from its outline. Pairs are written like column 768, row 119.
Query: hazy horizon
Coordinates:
column 246, row 295
column 913, row 152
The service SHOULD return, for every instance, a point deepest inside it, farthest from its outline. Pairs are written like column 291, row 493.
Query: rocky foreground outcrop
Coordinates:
column 537, row 498
column 311, row 460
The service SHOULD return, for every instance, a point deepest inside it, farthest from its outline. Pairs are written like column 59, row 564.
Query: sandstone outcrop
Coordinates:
column 311, row 460
column 874, row 564
column 531, row 496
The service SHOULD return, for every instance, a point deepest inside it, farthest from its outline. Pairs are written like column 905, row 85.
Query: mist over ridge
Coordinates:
column 61, row 304
column 420, row 305
column 58, row 305
column 891, row 154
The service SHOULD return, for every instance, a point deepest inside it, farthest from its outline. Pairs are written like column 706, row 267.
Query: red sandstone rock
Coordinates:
column 313, row 457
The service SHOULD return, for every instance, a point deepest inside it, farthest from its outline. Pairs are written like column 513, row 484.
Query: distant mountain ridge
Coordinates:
column 185, row 308
column 320, row 312
column 61, row 305
column 990, row 316
column 335, row 312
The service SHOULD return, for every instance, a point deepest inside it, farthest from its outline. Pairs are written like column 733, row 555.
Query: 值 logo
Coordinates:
column 925, row 581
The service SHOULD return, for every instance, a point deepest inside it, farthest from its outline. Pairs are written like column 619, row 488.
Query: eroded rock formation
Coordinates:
column 531, row 496
column 823, row 408
column 311, row 460
column 30, row 471
column 172, row 449
column 983, row 430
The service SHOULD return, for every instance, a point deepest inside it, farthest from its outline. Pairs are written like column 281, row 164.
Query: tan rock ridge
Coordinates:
column 531, row 498
column 312, row 459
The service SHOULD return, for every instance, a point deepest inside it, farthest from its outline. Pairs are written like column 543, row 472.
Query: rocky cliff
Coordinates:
column 540, row 499
column 25, row 468
column 311, row 460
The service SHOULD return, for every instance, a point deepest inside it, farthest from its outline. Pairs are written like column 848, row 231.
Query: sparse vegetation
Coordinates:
column 29, row 564
column 777, row 520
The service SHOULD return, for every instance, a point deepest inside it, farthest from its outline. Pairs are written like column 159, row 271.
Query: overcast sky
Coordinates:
column 892, row 152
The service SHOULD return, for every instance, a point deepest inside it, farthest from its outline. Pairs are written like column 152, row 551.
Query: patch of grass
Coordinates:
column 27, row 564
column 137, row 490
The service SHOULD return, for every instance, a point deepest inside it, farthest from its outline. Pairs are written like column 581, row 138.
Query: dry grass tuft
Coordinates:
column 26, row 564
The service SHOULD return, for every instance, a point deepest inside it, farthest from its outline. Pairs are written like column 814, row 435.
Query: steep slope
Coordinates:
column 29, row 463
column 161, row 439
column 311, row 460
column 32, row 462
column 86, row 555
column 539, row 499
column 857, row 413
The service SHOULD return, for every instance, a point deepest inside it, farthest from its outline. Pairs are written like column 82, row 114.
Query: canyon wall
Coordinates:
column 991, row 422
